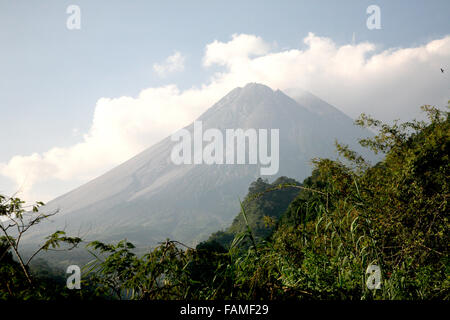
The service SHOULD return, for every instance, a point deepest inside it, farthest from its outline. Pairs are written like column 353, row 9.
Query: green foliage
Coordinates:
column 264, row 204
column 17, row 280
column 393, row 214
column 124, row 275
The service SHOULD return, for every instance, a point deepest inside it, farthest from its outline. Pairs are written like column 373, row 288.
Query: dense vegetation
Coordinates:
column 291, row 241
column 264, row 204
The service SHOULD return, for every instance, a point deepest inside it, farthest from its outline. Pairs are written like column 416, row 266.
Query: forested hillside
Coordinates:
column 263, row 205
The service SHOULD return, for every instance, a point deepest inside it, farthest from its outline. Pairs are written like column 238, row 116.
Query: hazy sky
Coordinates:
column 75, row 103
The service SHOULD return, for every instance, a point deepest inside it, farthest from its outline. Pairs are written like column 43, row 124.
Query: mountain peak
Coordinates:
column 240, row 102
column 254, row 86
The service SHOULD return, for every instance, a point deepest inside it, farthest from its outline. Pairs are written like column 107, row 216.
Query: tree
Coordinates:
column 15, row 222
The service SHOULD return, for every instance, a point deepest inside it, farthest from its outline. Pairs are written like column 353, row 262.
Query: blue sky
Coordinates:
column 52, row 77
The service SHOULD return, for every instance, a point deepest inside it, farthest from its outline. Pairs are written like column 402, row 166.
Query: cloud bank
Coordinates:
column 388, row 84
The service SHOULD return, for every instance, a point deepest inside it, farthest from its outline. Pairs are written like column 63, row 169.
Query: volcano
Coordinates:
column 149, row 198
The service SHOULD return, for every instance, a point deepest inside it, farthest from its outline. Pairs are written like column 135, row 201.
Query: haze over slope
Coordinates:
column 148, row 198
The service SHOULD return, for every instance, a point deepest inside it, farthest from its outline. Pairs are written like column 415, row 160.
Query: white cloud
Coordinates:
column 173, row 63
column 355, row 78
column 236, row 51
